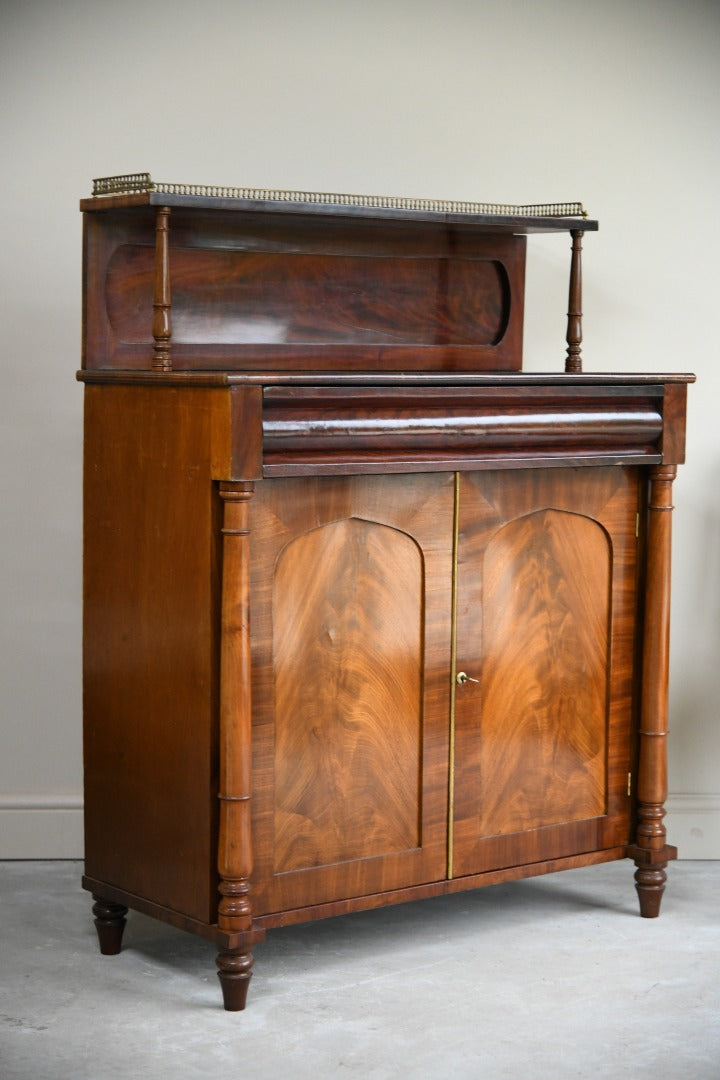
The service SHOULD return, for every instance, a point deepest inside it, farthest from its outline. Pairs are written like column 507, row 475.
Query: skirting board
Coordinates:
column 693, row 825
column 51, row 826
column 41, row 827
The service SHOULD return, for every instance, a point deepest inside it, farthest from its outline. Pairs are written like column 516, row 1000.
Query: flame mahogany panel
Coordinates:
column 269, row 298
column 351, row 631
column 545, row 656
column 546, row 579
column 348, row 623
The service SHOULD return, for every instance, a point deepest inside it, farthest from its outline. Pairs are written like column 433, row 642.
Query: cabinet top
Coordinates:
column 138, row 189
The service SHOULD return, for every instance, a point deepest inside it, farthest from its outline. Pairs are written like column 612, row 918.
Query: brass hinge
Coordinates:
column 637, row 525
column 629, row 784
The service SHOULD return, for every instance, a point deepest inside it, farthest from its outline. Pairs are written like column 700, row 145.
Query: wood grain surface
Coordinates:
column 544, row 661
column 351, row 629
column 546, row 579
column 348, row 616
column 151, row 645
column 247, row 292
column 243, row 298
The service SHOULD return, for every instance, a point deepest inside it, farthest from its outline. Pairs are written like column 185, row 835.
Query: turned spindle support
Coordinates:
column 162, row 322
column 573, row 361
column 234, row 844
column 651, row 853
column 109, row 922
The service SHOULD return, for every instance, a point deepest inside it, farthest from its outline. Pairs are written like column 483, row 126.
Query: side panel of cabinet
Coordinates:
column 546, row 623
column 151, row 644
column 351, row 637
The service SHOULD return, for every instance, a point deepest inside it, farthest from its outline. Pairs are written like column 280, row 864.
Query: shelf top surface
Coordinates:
column 138, row 189
column 499, row 380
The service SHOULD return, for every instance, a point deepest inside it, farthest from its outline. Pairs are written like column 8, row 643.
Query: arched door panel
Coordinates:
column 351, row 635
column 546, row 587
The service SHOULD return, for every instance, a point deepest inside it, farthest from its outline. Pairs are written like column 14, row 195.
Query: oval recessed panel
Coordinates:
column 225, row 297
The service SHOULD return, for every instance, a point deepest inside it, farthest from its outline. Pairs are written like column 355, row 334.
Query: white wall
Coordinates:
column 614, row 102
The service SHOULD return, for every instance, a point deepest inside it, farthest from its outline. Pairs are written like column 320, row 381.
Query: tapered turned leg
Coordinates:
column 234, row 973
column 650, row 851
column 109, row 922
column 234, row 839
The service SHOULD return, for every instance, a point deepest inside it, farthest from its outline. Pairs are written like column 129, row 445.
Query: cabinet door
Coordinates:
column 546, row 624
column 351, row 637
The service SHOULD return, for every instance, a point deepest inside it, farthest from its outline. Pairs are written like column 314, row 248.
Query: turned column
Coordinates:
column 234, row 845
column 573, row 361
column 651, row 853
column 162, row 323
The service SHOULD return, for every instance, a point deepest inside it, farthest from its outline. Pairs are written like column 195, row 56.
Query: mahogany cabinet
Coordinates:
column 370, row 614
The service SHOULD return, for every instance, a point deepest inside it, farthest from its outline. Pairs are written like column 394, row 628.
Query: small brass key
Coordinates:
column 461, row 678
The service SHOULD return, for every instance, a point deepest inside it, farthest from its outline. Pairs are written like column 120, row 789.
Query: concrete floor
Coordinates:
column 557, row 977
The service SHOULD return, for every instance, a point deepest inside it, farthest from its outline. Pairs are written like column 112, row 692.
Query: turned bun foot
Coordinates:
column 650, row 885
column 109, row 922
column 234, row 972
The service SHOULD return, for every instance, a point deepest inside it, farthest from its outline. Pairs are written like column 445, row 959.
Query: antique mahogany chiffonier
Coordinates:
column 370, row 613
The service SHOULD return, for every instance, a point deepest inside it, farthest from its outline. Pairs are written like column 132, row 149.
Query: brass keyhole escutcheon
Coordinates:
column 462, row 677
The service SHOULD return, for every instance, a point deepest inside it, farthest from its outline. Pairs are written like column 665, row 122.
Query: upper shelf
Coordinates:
column 138, row 189
column 186, row 278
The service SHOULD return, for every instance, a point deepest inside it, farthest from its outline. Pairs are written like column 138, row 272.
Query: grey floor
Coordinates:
column 557, row 977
